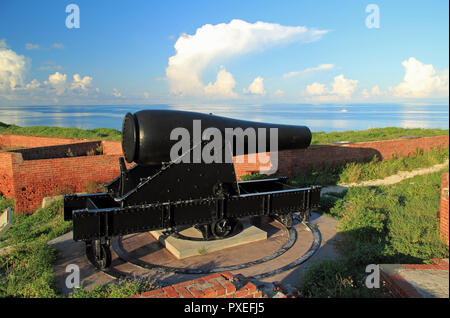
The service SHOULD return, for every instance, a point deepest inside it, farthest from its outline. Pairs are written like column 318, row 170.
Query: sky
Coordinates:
column 236, row 52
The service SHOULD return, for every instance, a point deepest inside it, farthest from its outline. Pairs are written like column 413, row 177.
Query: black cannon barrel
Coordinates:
column 146, row 134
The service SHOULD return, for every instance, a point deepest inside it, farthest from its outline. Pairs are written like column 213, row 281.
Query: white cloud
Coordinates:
column 13, row 68
column 421, row 80
column 81, row 83
column 343, row 87
column 13, row 86
column 30, row 46
column 58, row 46
column 376, row 90
column 256, row 87
column 212, row 42
column 365, row 93
column 33, row 84
column 58, row 82
column 316, row 89
column 321, row 67
column 50, row 67
column 279, row 92
column 116, row 93
column 223, row 86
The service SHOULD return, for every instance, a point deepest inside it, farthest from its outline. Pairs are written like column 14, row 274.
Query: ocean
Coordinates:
column 317, row 117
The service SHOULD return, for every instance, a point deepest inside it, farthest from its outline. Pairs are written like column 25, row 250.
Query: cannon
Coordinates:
column 172, row 186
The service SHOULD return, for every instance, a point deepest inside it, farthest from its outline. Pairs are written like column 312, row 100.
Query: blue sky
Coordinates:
column 227, row 52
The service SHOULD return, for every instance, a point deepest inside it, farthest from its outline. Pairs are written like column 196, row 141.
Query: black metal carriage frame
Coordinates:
column 212, row 201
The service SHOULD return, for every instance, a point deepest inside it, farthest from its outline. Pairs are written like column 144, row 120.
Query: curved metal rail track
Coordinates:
column 117, row 246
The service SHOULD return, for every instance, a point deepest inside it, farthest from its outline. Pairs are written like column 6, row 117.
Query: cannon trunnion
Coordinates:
column 157, row 193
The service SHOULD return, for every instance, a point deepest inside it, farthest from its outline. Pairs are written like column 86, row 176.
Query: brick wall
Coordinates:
column 6, row 174
column 444, row 208
column 36, row 179
column 291, row 162
column 31, row 141
column 112, row 147
column 398, row 286
column 223, row 285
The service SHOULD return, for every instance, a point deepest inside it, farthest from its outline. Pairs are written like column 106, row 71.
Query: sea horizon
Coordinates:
column 320, row 117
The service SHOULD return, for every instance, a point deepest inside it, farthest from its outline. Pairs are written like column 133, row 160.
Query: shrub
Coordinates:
column 331, row 279
column 120, row 289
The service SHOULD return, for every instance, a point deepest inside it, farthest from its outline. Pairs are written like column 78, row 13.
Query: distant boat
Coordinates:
column 343, row 110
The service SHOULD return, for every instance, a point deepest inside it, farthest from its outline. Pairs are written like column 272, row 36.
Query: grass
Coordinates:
column 317, row 137
column 389, row 224
column 5, row 203
column 202, row 250
column 121, row 289
column 27, row 270
column 59, row 132
column 354, row 172
column 374, row 134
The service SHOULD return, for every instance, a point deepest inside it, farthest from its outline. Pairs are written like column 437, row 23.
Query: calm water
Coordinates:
column 316, row 117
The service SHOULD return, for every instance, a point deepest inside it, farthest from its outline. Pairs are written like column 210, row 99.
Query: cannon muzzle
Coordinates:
column 146, row 135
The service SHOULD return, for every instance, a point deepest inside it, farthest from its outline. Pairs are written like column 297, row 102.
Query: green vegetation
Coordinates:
column 95, row 187
column 70, row 153
column 388, row 224
column 353, row 172
column 332, row 279
column 26, row 270
column 374, row 134
column 59, row 132
column 5, row 203
column 121, row 289
column 202, row 250
column 255, row 176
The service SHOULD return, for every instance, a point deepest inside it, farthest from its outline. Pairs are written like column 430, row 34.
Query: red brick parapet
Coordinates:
column 32, row 141
column 401, row 288
column 443, row 214
column 291, row 162
column 223, row 285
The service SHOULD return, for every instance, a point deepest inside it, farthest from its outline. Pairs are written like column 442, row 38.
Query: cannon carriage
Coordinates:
column 160, row 192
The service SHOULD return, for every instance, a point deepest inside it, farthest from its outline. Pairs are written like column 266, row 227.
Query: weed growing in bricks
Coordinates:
column 91, row 152
column 69, row 153
column 94, row 187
